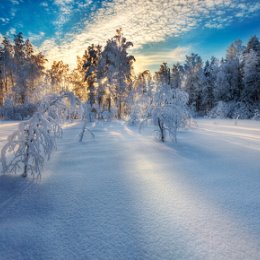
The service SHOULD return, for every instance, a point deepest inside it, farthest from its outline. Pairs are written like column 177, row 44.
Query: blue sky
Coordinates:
column 161, row 30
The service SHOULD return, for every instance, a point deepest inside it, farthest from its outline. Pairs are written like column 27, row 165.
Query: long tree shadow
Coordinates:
column 12, row 186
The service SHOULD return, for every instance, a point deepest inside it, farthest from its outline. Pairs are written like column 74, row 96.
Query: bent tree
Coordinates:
column 33, row 143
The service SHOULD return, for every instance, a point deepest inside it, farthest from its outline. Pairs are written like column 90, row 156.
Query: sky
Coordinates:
column 161, row 30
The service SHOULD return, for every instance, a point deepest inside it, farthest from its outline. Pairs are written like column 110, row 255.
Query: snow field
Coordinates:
column 124, row 195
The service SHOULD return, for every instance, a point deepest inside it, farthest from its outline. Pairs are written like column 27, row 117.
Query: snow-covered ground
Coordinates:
column 124, row 195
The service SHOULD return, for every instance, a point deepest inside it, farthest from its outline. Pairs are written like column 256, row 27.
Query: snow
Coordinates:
column 124, row 195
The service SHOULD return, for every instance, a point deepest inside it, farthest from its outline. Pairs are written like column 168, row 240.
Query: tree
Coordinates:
column 7, row 68
column 164, row 74
column 194, row 80
column 22, row 70
column 253, row 44
column 20, row 87
column 253, row 47
column 177, row 75
column 210, row 74
column 233, row 69
column 116, row 70
column 58, row 76
column 169, row 111
column 92, row 56
column 1, row 76
column 251, row 77
column 140, row 98
column 76, row 79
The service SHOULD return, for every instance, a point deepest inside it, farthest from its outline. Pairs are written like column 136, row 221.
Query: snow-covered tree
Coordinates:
column 116, row 70
column 222, row 86
column 233, row 69
column 91, row 64
column 164, row 74
column 27, row 148
column 251, row 78
column 194, row 80
column 210, row 74
column 169, row 111
column 140, row 98
column 252, row 68
column 6, row 68
column 21, row 70
column 76, row 80
column 177, row 76
column 58, row 76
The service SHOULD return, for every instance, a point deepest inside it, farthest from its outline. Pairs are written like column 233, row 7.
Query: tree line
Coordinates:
column 104, row 78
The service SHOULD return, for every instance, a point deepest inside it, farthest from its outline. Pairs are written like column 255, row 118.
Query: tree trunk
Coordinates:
column 160, row 124
column 26, row 157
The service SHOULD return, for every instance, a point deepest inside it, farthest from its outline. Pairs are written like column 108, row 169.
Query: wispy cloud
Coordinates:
column 146, row 21
column 13, row 12
column 15, row 2
column 36, row 37
column 4, row 21
column 144, row 61
column 11, row 32
column 44, row 4
column 65, row 10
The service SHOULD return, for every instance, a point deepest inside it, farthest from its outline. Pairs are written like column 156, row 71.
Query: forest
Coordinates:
column 105, row 79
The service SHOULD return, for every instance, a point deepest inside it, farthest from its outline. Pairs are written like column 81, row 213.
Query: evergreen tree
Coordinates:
column 194, row 80
column 164, row 74
column 210, row 74
column 233, row 70
column 251, row 78
column 92, row 56
column 7, row 67
column 252, row 47
column 177, row 75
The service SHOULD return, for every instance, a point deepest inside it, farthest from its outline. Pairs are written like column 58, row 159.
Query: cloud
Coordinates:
column 36, row 37
column 145, row 61
column 15, row 2
column 146, row 21
column 13, row 12
column 4, row 21
column 65, row 11
column 11, row 32
column 44, row 4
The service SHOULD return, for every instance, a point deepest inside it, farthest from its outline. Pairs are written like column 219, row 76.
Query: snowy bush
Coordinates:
column 140, row 111
column 232, row 109
column 18, row 112
column 256, row 114
column 242, row 110
column 221, row 110
column 108, row 115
